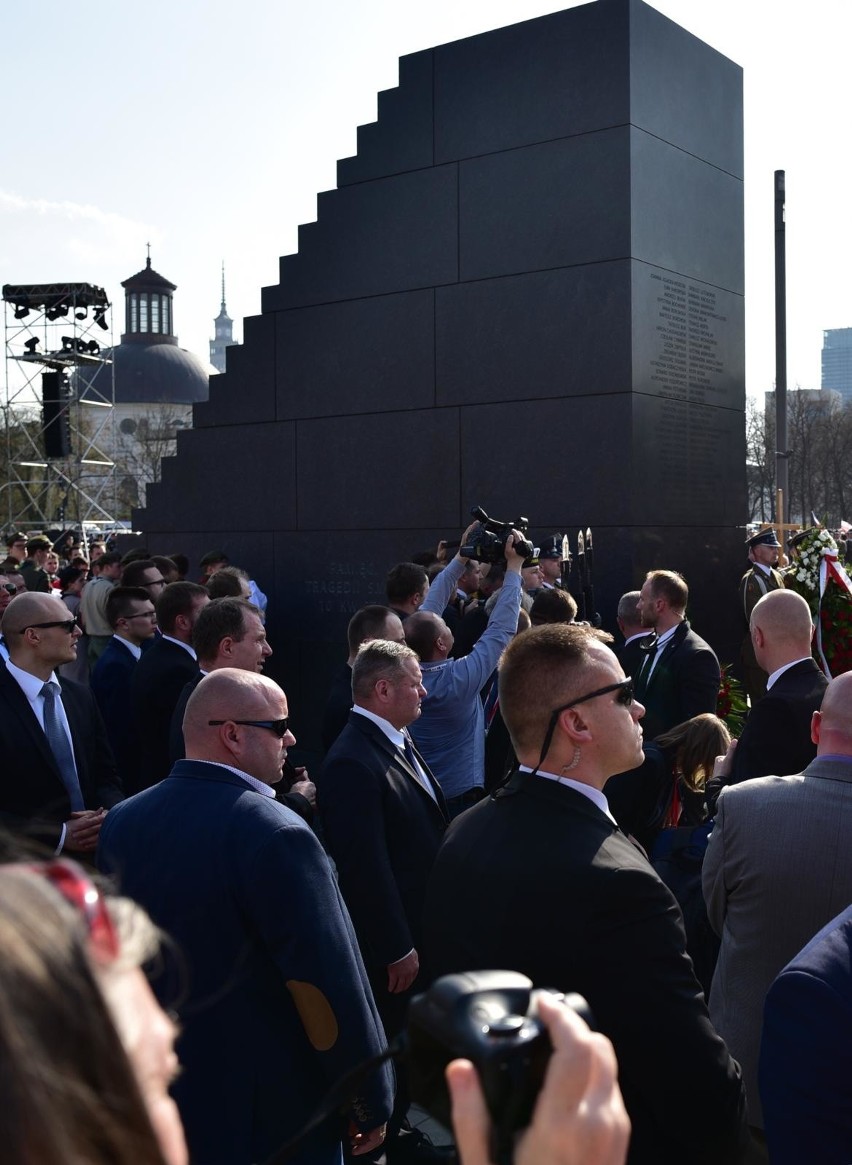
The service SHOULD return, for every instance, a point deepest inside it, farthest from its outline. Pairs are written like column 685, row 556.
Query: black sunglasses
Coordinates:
column 279, row 727
column 66, row 625
column 9, row 588
column 625, row 697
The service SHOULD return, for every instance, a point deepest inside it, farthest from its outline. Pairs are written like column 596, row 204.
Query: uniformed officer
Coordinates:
column 759, row 581
column 550, row 560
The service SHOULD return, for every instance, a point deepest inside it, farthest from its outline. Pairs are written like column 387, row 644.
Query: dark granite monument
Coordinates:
column 527, row 293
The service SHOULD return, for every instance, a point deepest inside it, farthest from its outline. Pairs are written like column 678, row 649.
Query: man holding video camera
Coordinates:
column 451, row 730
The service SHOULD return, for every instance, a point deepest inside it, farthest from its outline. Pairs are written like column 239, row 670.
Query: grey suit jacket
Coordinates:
column 777, row 869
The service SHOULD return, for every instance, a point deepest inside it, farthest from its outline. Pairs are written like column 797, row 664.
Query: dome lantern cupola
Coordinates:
column 148, row 308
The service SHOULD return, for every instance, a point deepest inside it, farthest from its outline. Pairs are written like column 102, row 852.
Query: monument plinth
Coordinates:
column 526, row 292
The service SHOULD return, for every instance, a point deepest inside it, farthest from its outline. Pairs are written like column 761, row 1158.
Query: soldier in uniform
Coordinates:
column 550, row 563
column 759, row 581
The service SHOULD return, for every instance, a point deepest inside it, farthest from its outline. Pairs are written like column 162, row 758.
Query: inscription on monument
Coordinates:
column 346, row 588
column 687, row 363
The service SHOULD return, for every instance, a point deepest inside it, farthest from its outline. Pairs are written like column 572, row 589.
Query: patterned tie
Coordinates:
column 408, row 750
column 61, row 747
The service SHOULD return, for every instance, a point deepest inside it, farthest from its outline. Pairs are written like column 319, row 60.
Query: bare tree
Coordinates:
column 141, row 444
column 760, row 461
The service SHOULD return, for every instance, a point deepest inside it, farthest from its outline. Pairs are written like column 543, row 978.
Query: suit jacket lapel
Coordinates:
column 378, row 737
column 667, row 651
column 20, row 705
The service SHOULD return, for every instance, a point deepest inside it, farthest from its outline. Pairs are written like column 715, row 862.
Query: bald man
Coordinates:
column 58, row 776
column 777, row 869
column 777, row 735
column 276, row 1005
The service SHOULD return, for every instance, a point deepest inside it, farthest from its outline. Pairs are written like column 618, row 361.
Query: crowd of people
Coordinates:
column 503, row 787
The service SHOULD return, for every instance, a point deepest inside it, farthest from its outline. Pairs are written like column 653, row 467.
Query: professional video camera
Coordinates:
column 490, row 1018
column 488, row 539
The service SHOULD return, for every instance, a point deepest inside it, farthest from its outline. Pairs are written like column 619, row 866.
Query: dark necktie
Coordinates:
column 645, row 669
column 61, row 747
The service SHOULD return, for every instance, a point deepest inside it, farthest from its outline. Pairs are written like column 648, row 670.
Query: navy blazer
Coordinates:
column 383, row 830
column 277, row 1006
column 33, row 799
column 537, row 879
column 110, row 684
column 806, row 1052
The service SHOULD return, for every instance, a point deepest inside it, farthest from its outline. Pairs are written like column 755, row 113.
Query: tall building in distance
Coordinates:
column 224, row 337
column 837, row 361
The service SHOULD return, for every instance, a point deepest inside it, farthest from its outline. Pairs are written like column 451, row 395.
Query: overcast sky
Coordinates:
column 208, row 129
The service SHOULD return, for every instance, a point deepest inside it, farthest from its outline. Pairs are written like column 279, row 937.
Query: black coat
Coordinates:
column 337, row 706
column 383, row 831
column 631, row 656
column 33, row 799
column 110, row 684
column 776, row 740
column 684, row 683
column 156, row 687
column 537, row 879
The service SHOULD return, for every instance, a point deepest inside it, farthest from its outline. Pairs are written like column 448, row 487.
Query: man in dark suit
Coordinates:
column 680, row 675
column 776, row 739
column 538, row 879
column 58, row 775
column 636, row 637
column 384, row 815
column 806, row 1052
column 133, row 619
column 228, row 632
column 160, row 676
column 277, row 1007
column 371, row 622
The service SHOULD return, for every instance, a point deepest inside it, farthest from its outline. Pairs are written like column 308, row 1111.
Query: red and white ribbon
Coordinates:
column 829, row 568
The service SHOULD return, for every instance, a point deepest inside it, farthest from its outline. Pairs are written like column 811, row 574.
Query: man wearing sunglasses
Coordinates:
column 539, row 879
column 277, row 1006
column 58, row 776
column 131, row 614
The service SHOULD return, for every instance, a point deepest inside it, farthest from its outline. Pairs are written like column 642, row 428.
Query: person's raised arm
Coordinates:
column 444, row 584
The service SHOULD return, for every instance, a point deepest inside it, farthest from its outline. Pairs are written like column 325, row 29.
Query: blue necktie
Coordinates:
column 61, row 747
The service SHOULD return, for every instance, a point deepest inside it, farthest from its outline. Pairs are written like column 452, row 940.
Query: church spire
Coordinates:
column 224, row 335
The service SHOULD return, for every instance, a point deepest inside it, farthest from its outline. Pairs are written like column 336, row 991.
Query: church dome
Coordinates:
column 149, row 366
column 152, row 374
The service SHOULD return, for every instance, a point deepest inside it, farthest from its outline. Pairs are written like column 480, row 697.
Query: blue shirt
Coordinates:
column 451, row 729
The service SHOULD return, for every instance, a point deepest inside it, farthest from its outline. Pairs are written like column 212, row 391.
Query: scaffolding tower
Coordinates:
column 58, row 407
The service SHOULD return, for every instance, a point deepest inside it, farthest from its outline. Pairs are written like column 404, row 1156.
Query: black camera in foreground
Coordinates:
column 490, row 1018
column 488, row 539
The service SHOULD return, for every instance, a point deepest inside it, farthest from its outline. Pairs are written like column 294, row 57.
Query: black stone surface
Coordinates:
column 542, row 334
column 394, row 234
column 357, row 356
column 527, row 292
column 401, row 138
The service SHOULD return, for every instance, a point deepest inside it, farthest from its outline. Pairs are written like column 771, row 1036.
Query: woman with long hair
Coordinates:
column 667, row 789
column 86, row 1054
